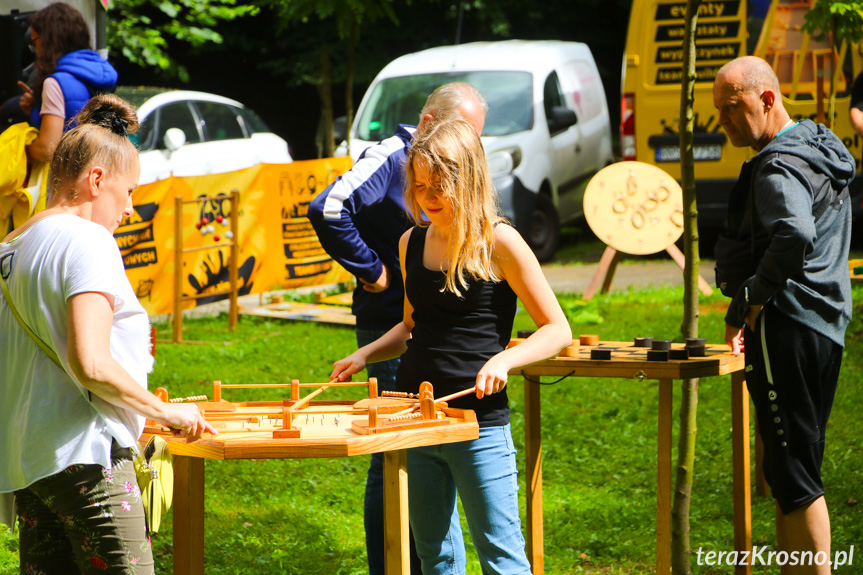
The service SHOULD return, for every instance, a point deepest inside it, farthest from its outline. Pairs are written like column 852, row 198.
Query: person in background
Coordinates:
column 792, row 198
column 359, row 219
column 67, row 426
column 69, row 73
column 464, row 268
column 855, row 111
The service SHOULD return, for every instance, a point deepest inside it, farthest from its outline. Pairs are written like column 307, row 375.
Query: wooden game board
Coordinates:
column 316, row 428
column 629, row 362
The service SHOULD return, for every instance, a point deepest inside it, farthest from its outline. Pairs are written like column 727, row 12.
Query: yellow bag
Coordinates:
column 17, row 202
column 155, row 471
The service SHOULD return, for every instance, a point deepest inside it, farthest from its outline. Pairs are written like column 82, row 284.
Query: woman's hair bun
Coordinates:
column 110, row 112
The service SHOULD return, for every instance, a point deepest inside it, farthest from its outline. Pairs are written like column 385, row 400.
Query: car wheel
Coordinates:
column 543, row 234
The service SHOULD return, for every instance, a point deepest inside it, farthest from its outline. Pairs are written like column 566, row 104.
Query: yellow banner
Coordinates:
column 278, row 246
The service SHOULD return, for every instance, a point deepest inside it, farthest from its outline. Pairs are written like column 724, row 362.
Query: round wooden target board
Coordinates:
column 634, row 207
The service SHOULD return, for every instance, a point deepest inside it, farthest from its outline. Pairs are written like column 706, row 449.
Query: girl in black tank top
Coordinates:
column 463, row 273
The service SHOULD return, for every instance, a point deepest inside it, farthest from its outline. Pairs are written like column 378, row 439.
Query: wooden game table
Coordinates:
column 629, row 362
column 324, row 439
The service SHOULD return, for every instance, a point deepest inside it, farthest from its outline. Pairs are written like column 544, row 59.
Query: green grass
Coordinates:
column 599, row 441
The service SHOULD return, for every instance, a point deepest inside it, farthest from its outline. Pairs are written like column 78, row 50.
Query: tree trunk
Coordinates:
column 349, row 83
column 680, row 546
column 326, row 106
column 831, row 106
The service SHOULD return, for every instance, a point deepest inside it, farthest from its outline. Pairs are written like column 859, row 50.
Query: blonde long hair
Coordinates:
column 453, row 151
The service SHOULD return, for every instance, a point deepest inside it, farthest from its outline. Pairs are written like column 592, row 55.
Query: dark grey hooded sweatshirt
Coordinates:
column 799, row 186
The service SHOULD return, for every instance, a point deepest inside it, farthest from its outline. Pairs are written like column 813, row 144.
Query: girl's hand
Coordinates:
column 185, row 420
column 345, row 368
column 492, row 377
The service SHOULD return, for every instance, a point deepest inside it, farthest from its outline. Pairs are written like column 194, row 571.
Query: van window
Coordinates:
column 781, row 44
column 772, row 31
column 399, row 100
column 583, row 88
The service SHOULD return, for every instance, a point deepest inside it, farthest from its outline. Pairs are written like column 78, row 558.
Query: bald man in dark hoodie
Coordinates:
column 790, row 207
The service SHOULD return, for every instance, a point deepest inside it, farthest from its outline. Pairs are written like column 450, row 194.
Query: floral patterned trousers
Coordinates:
column 86, row 519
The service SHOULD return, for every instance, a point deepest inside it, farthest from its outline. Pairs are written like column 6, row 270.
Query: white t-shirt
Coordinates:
column 48, row 420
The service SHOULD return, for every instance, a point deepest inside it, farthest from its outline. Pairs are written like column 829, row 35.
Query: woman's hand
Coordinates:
column 185, row 420
column 345, row 368
column 492, row 377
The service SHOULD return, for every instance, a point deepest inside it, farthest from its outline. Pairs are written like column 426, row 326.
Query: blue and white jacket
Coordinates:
column 359, row 220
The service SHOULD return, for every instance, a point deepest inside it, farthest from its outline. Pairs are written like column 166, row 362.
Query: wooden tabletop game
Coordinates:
column 308, row 426
column 643, row 358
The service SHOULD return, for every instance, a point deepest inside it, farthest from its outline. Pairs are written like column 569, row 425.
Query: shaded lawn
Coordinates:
column 599, row 440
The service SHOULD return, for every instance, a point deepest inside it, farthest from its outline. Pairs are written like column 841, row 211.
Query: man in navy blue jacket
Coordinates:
column 359, row 220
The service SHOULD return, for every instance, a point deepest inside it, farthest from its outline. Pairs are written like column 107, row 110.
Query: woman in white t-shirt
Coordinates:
column 66, row 431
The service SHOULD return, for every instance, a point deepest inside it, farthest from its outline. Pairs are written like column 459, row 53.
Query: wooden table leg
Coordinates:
column 188, row 510
column 396, row 522
column 740, row 455
column 663, row 478
column 533, row 473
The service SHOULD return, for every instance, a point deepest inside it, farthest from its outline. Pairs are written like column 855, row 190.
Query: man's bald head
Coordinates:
column 747, row 96
column 750, row 74
column 455, row 99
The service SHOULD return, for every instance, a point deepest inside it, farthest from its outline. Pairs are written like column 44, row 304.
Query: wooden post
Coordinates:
column 533, row 473
column 740, row 467
column 396, row 534
column 233, row 310
column 217, row 391
column 188, row 515
column 606, row 268
column 373, row 387
column 663, row 479
column 178, row 269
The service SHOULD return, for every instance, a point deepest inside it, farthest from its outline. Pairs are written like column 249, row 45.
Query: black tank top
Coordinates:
column 453, row 337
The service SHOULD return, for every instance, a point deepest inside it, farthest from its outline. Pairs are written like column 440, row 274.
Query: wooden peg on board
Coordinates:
column 427, row 402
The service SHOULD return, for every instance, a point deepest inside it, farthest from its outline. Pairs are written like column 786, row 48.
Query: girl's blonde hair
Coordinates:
column 100, row 138
column 453, row 152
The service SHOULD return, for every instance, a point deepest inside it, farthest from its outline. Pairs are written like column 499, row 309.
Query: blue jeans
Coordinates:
column 373, row 515
column 483, row 472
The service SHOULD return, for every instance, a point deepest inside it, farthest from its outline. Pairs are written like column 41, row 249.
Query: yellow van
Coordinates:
column 727, row 29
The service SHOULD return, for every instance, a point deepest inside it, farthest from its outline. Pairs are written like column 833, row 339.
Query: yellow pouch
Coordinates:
column 17, row 202
column 155, row 471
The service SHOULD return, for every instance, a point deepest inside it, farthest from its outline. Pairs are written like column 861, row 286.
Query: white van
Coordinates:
column 547, row 130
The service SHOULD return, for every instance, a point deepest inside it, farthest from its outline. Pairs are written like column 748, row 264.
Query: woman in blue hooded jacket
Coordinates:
column 69, row 73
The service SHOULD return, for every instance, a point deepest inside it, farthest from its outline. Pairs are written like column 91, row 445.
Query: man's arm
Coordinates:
column 332, row 212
